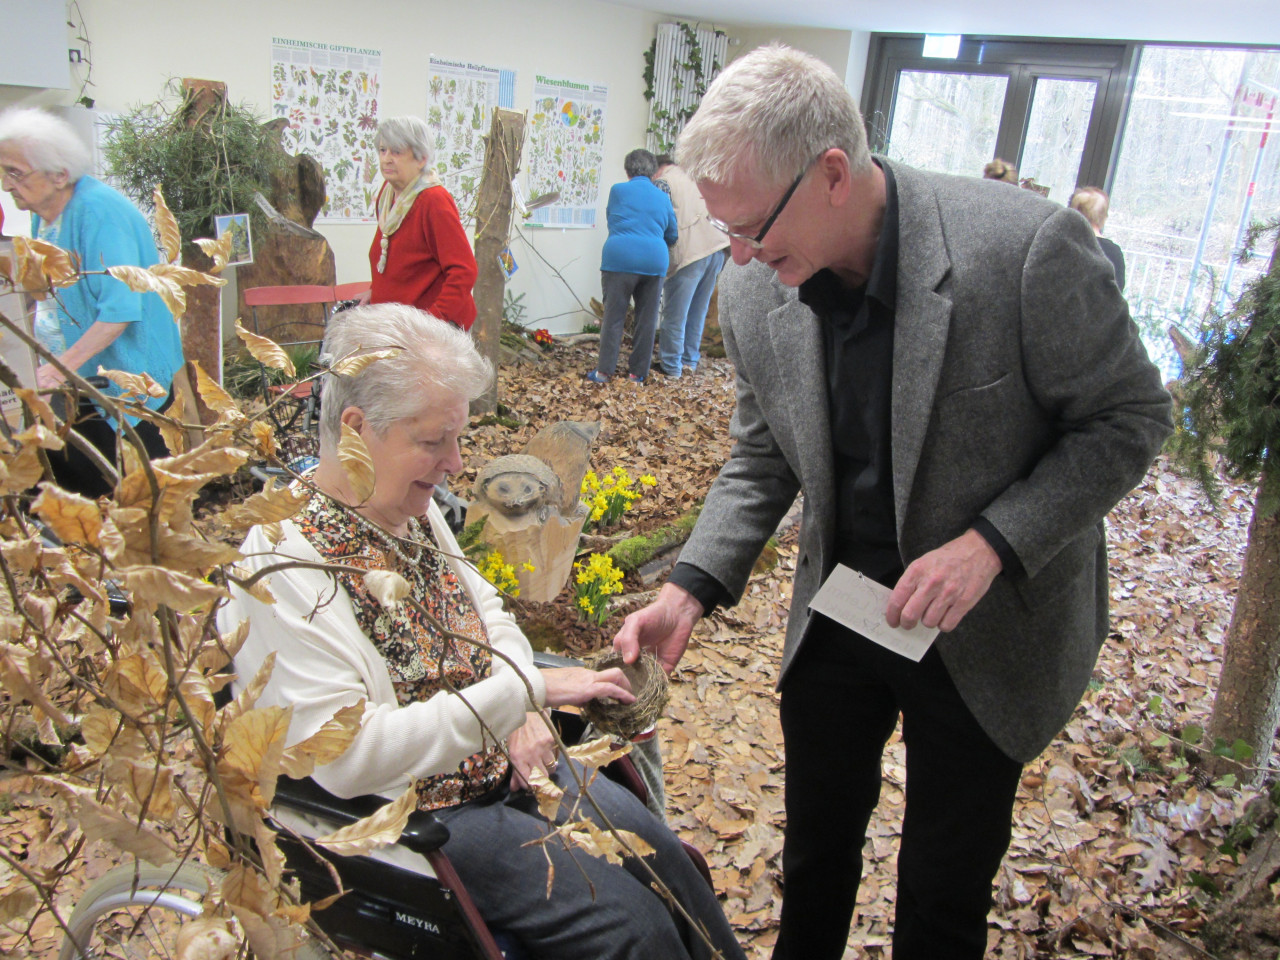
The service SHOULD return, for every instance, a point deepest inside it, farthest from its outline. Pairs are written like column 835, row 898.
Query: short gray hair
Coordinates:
column 407, row 133
column 771, row 113
column 640, row 163
column 433, row 354
column 49, row 143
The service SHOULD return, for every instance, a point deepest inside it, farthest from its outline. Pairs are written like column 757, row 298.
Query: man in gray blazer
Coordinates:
column 946, row 370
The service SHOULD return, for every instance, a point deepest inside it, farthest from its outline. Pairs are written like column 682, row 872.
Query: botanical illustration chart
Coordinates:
column 329, row 93
column 460, row 101
column 565, row 150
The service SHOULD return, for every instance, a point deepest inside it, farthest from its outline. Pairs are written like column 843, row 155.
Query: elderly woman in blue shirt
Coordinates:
column 642, row 226
column 100, row 321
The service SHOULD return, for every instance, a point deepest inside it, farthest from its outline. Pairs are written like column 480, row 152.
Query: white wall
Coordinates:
column 832, row 47
column 138, row 44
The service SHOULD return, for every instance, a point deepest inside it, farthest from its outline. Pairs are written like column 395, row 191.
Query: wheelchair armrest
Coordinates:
column 543, row 660
column 422, row 834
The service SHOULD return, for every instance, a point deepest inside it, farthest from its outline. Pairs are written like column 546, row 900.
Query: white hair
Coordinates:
column 433, row 353
column 407, row 133
column 771, row 113
column 49, row 143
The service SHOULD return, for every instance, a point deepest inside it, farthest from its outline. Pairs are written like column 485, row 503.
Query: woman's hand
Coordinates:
column 530, row 746
column 577, row 685
column 363, row 298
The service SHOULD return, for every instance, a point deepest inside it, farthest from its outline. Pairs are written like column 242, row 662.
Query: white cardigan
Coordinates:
column 324, row 662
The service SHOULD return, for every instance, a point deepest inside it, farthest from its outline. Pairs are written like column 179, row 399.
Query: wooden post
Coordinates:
column 493, row 221
column 202, row 323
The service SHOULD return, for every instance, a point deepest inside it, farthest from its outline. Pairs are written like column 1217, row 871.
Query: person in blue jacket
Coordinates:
column 97, row 321
column 642, row 226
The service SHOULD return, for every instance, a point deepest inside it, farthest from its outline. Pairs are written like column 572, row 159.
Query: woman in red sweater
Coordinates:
column 420, row 254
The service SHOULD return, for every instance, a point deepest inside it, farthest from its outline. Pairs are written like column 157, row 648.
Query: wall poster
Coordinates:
column 461, row 98
column 329, row 94
column 565, row 150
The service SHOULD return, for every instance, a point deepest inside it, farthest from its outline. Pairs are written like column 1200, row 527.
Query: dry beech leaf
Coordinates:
column 105, row 732
column 185, row 276
column 264, row 439
column 548, row 794
column 356, row 363
column 251, row 691
column 602, row 843
column 353, row 454
column 16, row 677
column 75, row 519
column 142, row 280
column 21, row 471
column 153, row 586
column 100, row 822
column 27, row 271
column 217, row 854
column 38, row 406
column 38, row 435
column 269, row 505
column 136, row 683
column 377, row 830
column 39, row 265
column 599, row 752
column 217, row 652
column 255, row 745
column 147, row 785
column 139, row 384
column 272, row 936
column 206, row 938
column 167, row 226
column 214, row 397
column 219, row 251
column 19, row 902
column 326, row 744
column 266, row 351
column 273, row 863
column 387, row 587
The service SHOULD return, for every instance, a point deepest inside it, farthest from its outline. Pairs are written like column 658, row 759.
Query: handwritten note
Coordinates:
column 858, row 603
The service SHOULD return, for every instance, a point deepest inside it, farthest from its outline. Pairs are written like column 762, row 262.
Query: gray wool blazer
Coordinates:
column 1021, row 392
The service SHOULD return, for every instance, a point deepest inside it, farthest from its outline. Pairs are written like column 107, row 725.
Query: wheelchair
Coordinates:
column 389, row 911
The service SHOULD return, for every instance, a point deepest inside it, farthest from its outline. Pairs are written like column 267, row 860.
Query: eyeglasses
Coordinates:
column 756, row 242
column 13, row 176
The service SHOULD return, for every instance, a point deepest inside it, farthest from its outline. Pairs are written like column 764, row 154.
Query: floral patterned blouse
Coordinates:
column 422, row 661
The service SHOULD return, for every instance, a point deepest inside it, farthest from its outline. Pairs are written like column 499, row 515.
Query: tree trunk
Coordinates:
column 1247, row 705
column 493, row 223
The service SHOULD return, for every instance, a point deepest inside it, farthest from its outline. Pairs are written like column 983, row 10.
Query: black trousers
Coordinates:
column 74, row 471
column 840, row 703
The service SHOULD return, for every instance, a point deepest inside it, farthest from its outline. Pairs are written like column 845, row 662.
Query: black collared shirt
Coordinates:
column 857, row 334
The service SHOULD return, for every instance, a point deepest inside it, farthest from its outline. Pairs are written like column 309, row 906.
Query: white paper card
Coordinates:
column 856, row 602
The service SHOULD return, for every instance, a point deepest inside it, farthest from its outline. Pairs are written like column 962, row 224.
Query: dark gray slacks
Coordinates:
column 626, row 919
column 619, row 289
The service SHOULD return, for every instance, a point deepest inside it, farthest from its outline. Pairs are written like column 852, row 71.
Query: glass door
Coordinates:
column 946, row 121
column 1052, row 109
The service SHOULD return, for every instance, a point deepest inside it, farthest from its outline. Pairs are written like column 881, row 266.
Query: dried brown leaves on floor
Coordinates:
column 1115, row 840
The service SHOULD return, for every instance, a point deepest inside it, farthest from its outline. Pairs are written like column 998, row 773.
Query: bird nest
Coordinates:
column 649, row 684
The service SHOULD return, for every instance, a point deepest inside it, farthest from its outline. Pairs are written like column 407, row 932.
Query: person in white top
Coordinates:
column 452, row 698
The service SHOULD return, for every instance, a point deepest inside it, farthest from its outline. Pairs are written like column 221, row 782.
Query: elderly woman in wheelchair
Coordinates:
column 460, row 719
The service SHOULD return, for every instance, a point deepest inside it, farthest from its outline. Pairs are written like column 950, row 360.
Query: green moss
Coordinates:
column 635, row 552
column 469, row 538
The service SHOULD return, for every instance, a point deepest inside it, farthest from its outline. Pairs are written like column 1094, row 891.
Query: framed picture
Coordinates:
column 237, row 224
